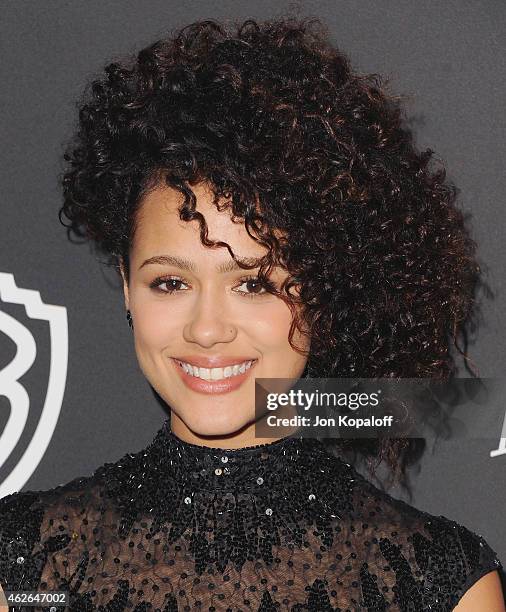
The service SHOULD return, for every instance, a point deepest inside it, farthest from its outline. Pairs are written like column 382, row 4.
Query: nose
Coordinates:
column 209, row 321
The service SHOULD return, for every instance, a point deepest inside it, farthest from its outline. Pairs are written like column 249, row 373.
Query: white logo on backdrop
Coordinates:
column 501, row 449
column 13, row 390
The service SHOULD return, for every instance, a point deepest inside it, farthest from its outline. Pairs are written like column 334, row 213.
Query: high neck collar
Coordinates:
column 247, row 468
column 281, row 487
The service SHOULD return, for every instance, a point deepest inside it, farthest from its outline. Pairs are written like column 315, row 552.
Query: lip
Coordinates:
column 225, row 385
column 214, row 362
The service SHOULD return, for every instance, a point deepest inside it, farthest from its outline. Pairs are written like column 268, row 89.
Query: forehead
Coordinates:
column 158, row 225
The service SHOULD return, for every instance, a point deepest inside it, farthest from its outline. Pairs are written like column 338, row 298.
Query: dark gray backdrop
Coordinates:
column 449, row 57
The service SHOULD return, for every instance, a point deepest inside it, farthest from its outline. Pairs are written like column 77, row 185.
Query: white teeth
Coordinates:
column 215, row 373
column 204, row 373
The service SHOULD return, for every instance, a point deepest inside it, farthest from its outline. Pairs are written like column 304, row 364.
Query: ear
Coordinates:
column 125, row 282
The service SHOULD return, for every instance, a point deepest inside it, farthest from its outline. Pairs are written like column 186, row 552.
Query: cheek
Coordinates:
column 271, row 329
column 154, row 328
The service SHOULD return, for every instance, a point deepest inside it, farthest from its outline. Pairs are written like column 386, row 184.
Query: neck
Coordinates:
column 241, row 438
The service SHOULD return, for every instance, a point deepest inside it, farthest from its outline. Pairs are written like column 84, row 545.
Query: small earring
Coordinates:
column 129, row 319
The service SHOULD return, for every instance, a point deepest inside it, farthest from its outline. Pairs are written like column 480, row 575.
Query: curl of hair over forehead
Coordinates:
column 317, row 162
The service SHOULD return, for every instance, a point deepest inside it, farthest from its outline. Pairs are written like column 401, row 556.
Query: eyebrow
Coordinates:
column 187, row 264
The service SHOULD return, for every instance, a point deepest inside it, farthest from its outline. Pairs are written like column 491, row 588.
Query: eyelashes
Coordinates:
column 267, row 285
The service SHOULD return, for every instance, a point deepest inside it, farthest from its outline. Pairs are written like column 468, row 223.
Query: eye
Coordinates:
column 254, row 280
column 171, row 283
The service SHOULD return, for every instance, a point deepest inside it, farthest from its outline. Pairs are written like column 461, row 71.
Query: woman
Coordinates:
column 270, row 217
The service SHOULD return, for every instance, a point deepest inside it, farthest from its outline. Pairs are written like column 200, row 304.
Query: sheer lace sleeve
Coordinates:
column 414, row 558
column 480, row 558
column 21, row 515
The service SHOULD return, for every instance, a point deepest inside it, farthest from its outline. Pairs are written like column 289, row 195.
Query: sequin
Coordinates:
column 285, row 526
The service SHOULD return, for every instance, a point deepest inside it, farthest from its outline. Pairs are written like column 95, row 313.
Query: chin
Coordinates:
column 216, row 426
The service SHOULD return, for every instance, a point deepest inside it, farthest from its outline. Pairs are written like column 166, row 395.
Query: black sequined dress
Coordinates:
column 284, row 526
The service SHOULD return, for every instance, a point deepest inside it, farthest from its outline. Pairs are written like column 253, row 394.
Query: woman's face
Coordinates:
column 211, row 316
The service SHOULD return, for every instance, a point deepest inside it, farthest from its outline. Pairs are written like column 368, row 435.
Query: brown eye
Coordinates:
column 256, row 285
column 172, row 284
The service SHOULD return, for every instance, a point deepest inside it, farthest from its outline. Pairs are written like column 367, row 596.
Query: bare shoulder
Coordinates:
column 485, row 594
column 2, row 608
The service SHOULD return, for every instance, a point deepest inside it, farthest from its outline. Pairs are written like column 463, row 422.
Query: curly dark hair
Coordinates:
column 321, row 166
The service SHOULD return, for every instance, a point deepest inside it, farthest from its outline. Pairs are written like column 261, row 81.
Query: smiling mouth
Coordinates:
column 216, row 374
